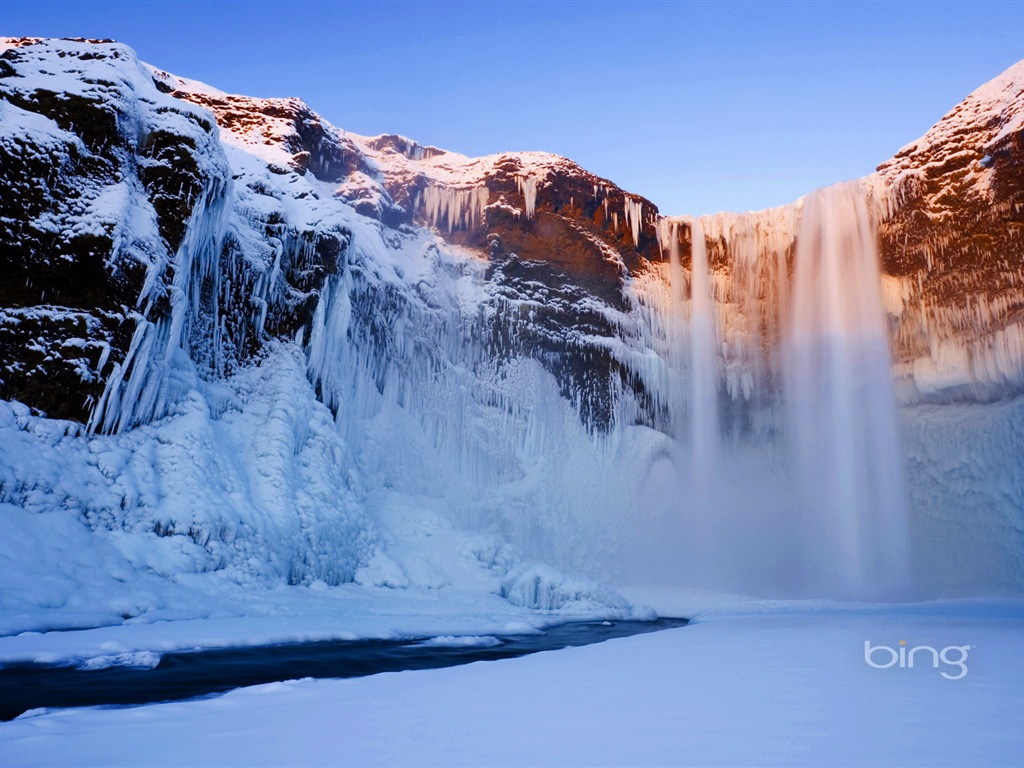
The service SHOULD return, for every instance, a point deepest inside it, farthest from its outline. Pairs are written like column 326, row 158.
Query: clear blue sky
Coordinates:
column 697, row 106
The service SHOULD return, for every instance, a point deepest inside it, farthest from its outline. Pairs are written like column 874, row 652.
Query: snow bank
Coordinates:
column 537, row 586
column 966, row 486
column 792, row 690
column 259, row 496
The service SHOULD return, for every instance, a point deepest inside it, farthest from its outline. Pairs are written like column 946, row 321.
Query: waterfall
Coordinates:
column 704, row 428
column 788, row 473
column 840, row 406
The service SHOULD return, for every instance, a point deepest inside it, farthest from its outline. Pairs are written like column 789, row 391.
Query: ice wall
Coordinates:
column 138, row 388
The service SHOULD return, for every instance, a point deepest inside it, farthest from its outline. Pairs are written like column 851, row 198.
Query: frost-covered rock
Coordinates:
column 258, row 493
column 112, row 196
column 258, row 325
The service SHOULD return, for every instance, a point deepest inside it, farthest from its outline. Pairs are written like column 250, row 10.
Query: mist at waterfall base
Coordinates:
column 812, row 504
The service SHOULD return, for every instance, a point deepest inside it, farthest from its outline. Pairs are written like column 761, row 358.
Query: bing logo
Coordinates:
column 883, row 657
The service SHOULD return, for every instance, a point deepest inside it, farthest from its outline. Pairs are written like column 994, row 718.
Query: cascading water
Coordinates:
column 704, row 427
column 788, row 470
column 840, row 406
column 775, row 466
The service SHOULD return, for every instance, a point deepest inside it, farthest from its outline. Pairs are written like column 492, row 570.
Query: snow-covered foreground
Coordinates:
column 750, row 683
column 295, row 615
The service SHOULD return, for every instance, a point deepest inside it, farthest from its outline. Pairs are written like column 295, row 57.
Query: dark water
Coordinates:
column 186, row 675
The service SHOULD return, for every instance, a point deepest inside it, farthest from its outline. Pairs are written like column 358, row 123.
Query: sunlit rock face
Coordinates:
column 709, row 401
column 952, row 241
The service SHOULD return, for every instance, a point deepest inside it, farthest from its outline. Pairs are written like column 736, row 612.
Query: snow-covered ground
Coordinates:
column 296, row 615
column 748, row 683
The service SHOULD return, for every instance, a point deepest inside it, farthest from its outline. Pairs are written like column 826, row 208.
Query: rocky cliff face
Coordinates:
column 192, row 275
column 120, row 184
column 116, row 175
column 555, row 236
column 99, row 188
column 951, row 238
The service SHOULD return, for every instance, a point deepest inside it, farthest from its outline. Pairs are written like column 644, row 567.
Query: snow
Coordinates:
column 345, row 454
column 193, row 489
column 218, row 616
column 543, row 588
column 453, row 170
column 140, row 660
column 787, row 684
column 989, row 114
column 453, row 641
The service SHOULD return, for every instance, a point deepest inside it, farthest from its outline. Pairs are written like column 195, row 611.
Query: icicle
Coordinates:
column 137, row 391
column 459, row 208
column 527, row 186
column 634, row 218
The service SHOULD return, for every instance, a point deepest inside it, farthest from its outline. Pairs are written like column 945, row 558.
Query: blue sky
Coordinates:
column 697, row 106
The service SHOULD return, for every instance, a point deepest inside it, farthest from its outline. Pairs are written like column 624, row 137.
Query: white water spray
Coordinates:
column 840, row 405
column 704, row 427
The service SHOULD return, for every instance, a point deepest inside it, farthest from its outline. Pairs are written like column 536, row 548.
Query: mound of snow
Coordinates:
column 537, row 586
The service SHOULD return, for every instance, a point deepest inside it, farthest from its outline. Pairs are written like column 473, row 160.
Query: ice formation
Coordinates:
column 752, row 443
column 136, row 391
column 527, row 186
column 458, row 208
column 634, row 218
